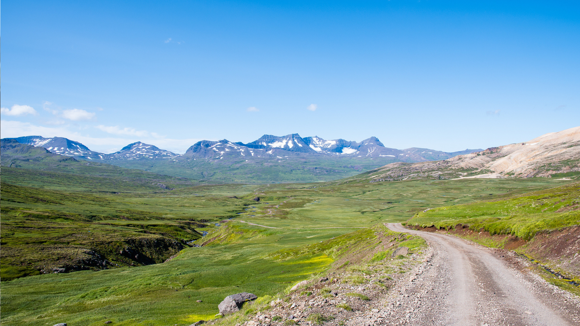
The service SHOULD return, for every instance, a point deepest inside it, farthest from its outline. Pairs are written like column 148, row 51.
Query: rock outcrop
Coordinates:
column 233, row 303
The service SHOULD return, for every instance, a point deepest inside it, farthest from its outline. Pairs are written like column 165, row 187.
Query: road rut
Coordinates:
column 466, row 284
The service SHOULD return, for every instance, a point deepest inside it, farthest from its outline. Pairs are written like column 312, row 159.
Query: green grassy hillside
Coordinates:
column 543, row 225
column 53, row 217
column 523, row 216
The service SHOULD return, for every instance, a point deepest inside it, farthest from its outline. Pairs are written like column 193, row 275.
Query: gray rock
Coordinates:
column 228, row 306
column 403, row 251
column 198, row 323
column 234, row 302
column 240, row 298
column 60, row 324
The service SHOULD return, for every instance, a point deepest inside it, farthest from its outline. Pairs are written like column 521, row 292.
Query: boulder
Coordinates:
column 228, row 306
column 256, row 199
column 403, row 251
column 240, row 298
column 60, row 324
column 234, row 302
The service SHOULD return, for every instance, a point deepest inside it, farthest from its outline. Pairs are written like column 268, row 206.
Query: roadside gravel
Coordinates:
column 452, row 282
column 462, row 283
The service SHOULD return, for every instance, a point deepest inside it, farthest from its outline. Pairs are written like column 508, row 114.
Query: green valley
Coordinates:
column 56, row 219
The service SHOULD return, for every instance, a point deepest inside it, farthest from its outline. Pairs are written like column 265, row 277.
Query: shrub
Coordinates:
column 318, row 319
column 358, row 295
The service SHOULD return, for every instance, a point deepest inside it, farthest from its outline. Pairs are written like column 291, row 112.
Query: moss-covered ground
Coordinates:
column 523, row 216
column 295, row 232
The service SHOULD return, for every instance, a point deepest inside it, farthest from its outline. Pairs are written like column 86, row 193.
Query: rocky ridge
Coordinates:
column 553, row 153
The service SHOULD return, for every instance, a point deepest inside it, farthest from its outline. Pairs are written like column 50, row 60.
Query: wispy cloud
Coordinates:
column 168, row 40
column 492, row 113
column 253, row 109
column 115, row 130
column 18, row 110
column 77, row 115
column 312, row 107
column 48, row 106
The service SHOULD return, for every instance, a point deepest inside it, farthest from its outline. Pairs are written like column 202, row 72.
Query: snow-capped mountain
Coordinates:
column 267, row 146
column 293, row 145
column 262, row 148
column 330, row 146
column 67, row 147
column 139, row 150
column 60, row 145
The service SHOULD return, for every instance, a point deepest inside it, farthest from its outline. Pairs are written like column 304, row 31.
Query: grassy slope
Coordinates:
column 547, row 220
column 56, row 217
column 301, row 214
column 522, row 216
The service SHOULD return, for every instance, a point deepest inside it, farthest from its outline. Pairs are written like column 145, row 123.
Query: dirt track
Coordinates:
column 466, row 284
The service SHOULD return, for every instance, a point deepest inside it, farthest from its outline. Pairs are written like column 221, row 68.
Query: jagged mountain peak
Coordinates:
column 292, row 143
column 372, row 141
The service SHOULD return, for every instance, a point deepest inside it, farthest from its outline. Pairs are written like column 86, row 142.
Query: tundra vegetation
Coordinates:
column 70, row 215
column 543, row 225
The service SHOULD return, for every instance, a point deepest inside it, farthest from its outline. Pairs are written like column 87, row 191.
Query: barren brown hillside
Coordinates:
column 552, row 153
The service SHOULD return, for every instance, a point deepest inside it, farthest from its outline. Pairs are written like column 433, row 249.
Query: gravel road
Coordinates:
column 461, row 283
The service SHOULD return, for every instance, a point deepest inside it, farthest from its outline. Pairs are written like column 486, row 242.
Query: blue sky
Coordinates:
column 445, row 75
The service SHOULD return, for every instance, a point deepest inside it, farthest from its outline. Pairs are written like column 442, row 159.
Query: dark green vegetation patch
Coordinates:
column 107, row 219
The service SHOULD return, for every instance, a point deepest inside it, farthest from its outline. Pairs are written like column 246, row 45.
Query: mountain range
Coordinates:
column 267, row 146
column 268, row 159
column 291, row 158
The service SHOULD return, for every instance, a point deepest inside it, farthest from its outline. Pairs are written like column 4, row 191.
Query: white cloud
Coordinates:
column 312, row 107
column 253, row 109
column 168, row 40
column 115, row 130
column 496, row 112
column 17, row 110
column 77, row 114
column 49, row 106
